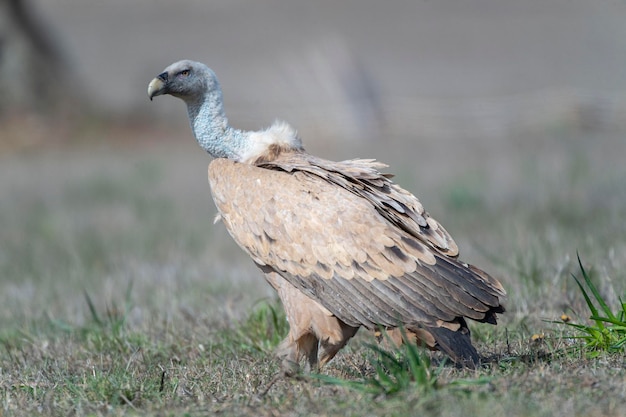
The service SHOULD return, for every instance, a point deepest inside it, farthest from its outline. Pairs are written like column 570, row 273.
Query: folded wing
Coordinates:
column 349, row 238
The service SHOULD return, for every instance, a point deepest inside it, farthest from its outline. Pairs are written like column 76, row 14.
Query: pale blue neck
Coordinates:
column 211, row 129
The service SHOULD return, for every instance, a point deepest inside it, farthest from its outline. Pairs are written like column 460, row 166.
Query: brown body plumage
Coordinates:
column 343, row 245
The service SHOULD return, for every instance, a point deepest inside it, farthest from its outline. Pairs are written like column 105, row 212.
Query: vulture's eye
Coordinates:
column 185, row 73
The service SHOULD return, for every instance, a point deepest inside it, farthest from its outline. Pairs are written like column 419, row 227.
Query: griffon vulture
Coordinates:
column 342, row 245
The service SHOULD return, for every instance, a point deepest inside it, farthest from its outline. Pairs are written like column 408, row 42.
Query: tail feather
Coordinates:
column 456, row 344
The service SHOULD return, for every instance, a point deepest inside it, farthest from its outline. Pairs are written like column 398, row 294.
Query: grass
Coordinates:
column 395, row 370
column 607, row 333
column 401, row 369
column 119, row 297
column 264, row 328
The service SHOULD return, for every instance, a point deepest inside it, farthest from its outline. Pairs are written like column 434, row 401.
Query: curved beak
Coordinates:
column 158, row 86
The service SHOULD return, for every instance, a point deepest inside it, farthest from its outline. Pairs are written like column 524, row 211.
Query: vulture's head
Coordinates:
column 187, row 80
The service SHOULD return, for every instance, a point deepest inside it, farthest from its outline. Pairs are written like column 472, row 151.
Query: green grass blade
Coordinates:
column 620, row 344
column 92, row 310
column 592, row 307
column 617, row 324
column 594, row 291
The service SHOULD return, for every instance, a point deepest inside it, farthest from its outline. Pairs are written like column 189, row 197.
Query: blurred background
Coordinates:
column 360, row 70
column 506, row 118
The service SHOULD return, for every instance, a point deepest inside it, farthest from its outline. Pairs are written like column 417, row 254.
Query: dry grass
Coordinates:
column 119, row 297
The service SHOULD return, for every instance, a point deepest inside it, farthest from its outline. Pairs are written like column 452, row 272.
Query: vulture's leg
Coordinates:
column 301, row 342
